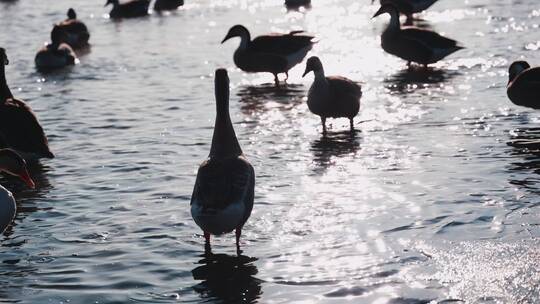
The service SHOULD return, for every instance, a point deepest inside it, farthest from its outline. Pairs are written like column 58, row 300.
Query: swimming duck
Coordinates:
column 12, row 164
column 332, row 96
column 56, row 54
column 167, row 5
column 524, row 85
column 273, row 53
column 77, row 34
column 223, row 195
column 414, row 44
column 409, row 7
column 130, row 9
column 19, row 127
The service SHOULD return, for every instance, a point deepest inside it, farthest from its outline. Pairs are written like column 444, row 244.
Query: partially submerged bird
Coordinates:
column 130, row 9
column 297, row 3
column 223, row 195
column 76, row 32
column 332, row 96
column 56, row 54
column 523, row 87
column 409, row 7
column 414, row 44
column 167, row 5
column 19, row 127
column 12, row 164
column 272, row 53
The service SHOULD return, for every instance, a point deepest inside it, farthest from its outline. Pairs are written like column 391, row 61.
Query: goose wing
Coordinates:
column 346, row 96
column 427, row 38
column 281, row 44
column 20, row 128
column 223, row 182
column 530, row 76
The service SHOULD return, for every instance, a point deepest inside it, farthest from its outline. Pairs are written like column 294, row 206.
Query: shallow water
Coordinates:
column 435, row 197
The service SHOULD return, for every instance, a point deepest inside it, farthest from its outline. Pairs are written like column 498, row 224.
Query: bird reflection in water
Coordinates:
column 334, row 144
column 256, row 98
column 411, row 79
column 526, row 144
column 227, row 278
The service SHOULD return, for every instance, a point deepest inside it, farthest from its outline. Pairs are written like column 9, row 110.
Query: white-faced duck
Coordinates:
column 130, row 9
column 12, row 164
column 56, row 54
column 524, row 85
column 332, row 96
column 414, row 44
column 223, row 195
column 273, row 53
column 19, row 127
column 76, row 32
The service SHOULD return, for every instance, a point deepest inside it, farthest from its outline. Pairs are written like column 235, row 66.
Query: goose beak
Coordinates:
column 226, row 38
column 306, row 72
column 27, row 179
column 379, row 12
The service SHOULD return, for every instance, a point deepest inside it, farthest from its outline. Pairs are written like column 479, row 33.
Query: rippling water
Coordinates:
column 435, row 197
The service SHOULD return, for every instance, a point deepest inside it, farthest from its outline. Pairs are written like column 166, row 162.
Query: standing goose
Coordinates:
column 223, row 195
column 414, row 44
column 332, row 96
column 167, row 5
column 56, row 54
column 12, row 164
column 77, row 34
column 273, row 53
column 524, row 85
column 409, row 7
column 19, row 127
column 130, row 9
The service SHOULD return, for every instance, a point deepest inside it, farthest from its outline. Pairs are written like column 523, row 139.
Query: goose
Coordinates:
column 414, row 44
column 409, row 7
column 77, row 34
column 273, row 53
column 297, row 3
column 332, row 96
column 56, row 54
column 19, row 127
column 223, row 194
column 130, row 9
column 12, row 164
column 167, row 5
column 524, row 85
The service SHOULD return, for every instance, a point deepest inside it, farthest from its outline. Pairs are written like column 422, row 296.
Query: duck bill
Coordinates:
column 379, row 12
column 27, row 179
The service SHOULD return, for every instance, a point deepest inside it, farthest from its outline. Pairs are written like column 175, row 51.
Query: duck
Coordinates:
column 409, row 7
column 20, row 129
column 332, row 96
column 167, row 5
column 273, row 53
column 223, row 194
column 77, row 34
column 12, row 164
column 130, row 9
column 414, row 44
column 56, row 54
column 523, row 84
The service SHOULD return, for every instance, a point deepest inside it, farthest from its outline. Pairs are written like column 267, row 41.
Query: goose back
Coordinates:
column 131, row 9
column 523, row 90
column 163, row 5
column 336, row 97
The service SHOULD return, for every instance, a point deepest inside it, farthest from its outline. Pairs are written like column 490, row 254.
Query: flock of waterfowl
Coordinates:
column 223, row 194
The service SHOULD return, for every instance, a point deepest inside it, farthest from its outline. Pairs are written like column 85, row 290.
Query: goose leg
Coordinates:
column 238, row 232
column 323, row 121
column 207, row 237
column 276, row 80
column 408, row 64
column 286, row 76
column 351, row 122
column 409, row 20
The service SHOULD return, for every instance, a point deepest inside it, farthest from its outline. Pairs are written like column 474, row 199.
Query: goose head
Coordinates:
column 113, row 2
column 71, row 14
column 313, row 64
column 13, row 164
column 516, row 68
column 389, row 9
column 237, row 31
column 3, row 56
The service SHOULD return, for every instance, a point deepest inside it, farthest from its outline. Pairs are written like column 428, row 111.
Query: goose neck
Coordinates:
column 5, row 92
column 224, row 141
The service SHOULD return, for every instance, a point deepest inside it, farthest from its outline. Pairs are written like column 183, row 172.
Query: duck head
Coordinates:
column 237, row 31
column 3, row 56
column 71, row 14
column 113, row 2
column 12, row 163
column 387, row 8
column 516, row 68
column 313, row 64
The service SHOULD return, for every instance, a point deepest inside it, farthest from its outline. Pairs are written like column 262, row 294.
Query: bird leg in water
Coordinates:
column 207, row 237
column 409, row 20
column 286, row 76
column 351, row 123
column 276, row 80
column 238, row 232
column 323, row 121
